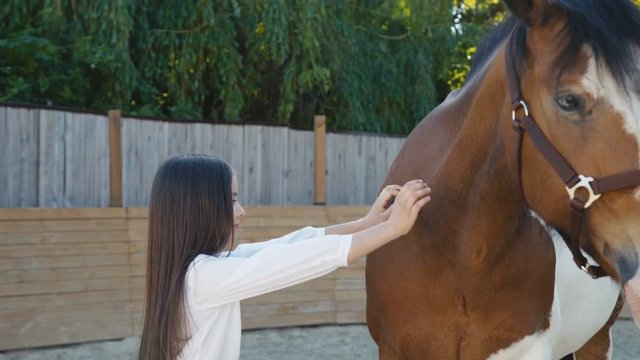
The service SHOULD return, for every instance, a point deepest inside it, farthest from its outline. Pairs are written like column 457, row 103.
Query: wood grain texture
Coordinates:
column 56, row 159
column 78, row 274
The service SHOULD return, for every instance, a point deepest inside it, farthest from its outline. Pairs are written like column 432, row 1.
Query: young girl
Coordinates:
column 194, row 286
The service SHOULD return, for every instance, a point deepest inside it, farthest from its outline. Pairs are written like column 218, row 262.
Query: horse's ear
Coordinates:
column 529, row 11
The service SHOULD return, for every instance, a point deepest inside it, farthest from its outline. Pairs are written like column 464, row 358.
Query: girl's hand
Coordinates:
column 379, row 211
column 409, row 200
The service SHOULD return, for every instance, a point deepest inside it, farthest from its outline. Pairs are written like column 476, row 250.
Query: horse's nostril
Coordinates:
column 627, row 262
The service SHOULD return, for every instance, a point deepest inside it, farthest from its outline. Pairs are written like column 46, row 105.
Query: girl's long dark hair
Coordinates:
column 190, row 213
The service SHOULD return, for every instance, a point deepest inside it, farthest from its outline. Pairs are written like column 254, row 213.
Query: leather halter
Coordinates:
column 595, row 186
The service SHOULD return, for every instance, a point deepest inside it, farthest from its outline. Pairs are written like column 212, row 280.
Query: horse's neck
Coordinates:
column 479, row 175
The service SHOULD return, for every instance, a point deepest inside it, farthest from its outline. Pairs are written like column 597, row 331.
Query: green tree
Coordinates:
column 472, row 20
column 57, row 53
column 369, row 65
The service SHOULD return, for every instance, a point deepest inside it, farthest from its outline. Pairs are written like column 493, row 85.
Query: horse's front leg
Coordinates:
column 600, row 346
column 386, row 352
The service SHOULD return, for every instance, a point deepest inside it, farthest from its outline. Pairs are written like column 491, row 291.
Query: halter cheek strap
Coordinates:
column 594, row 187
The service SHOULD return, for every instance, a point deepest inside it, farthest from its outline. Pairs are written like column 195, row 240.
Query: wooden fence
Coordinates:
column 54, row 159
column 76, row 275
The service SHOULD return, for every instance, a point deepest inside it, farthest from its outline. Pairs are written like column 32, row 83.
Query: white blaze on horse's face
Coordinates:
column 599, row 82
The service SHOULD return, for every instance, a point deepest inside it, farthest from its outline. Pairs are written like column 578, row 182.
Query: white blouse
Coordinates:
column 215, row 285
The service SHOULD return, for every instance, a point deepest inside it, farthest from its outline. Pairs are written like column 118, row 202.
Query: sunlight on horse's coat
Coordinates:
column 532, row 347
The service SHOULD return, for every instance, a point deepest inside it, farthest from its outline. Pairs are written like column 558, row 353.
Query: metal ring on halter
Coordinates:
column 522, row 105
column 585, row 183
column 586, row 268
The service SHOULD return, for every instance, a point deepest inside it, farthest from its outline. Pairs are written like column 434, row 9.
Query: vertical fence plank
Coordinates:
column 130, row 161
column 102, row 187
column 4, row 157
column 336, row 166
column 198, row 136
column 60, row 159
column 51, row 159
column 320, row 130
column 214, row 142
column 89, row 167
column 251, row 173
column 86, row 167
column 148, row 143
column 233, row 146
column 273, row 168
column 25, row 141
column 178, row 141
column 72, row 138
column 355, row 164
column 12, row 155
column 115, row 159
column 135, row 136
column 300, row 167
column 227, row 143
column 346, row 180
column 372, row 179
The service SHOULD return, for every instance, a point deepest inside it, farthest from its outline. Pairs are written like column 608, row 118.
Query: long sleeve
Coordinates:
column 217, row 280
column 249, row 249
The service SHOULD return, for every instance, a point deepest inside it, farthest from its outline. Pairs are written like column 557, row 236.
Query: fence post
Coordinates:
column 320, row 161
column 115, row 159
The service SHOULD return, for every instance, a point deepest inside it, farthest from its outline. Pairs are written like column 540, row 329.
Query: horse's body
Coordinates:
column 482, row 275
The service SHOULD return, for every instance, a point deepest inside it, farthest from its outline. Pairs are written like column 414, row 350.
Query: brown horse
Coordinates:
column 503, row 263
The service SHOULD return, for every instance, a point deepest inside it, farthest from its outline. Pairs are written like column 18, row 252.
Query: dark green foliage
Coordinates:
column 53, row 53
column 369, row 65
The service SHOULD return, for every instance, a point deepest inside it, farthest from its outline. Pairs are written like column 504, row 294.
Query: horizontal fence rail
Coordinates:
column 56, row 159
column 77, row 275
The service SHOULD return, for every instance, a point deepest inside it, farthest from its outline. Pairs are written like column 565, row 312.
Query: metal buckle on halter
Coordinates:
column 585, row 182
column 519, row 105
column 586, row 268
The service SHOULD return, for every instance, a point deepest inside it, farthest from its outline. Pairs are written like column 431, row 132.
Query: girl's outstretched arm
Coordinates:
column 283, row 263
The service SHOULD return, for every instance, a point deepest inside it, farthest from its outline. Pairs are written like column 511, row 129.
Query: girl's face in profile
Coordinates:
column 238, row 211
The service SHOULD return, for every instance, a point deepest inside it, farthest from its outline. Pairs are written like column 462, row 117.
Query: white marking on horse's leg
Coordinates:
column 610, row 351
column 532, row 347
column 600, row 83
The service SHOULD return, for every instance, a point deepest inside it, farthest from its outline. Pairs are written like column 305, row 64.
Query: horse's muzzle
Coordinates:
column 627, row 263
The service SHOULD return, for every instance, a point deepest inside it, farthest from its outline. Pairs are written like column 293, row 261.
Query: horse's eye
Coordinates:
column 569, row 102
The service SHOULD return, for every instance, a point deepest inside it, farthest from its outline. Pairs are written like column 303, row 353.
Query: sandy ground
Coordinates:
column 346, row 342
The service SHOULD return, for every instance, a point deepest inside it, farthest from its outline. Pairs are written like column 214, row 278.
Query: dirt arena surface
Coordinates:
column 344, row 342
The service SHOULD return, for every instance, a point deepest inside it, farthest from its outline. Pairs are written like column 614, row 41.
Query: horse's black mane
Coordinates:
column 610, row 27
column 491, row 42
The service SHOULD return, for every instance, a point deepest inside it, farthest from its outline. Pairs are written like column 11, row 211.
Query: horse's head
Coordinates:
column 578, row 63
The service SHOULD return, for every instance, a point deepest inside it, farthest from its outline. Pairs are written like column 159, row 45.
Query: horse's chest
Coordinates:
column 581, row 307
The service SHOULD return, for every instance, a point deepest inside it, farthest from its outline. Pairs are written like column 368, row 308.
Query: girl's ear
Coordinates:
column 529, row 11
